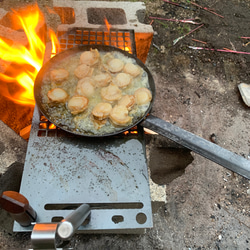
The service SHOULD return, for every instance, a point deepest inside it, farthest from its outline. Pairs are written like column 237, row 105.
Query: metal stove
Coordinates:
column 63, row 171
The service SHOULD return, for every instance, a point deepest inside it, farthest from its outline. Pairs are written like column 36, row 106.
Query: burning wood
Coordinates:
column 25, row 132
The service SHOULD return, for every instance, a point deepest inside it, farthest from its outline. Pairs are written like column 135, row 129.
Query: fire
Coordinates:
column 55, row 43
column 25, row 61
column 113, row 39
column 108, row 26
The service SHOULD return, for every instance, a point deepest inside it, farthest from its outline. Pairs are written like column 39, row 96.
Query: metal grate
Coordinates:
column 48, row 129
column 122, row 39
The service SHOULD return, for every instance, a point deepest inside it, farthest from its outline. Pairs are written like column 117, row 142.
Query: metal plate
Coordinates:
column 110, row 174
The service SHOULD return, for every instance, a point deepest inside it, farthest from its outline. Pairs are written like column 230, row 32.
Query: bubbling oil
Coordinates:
column 84, row 123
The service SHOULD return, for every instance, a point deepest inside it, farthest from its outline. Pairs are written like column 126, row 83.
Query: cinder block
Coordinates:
column 134, row 13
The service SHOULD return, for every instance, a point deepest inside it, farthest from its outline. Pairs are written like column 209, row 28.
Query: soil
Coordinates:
column 199, row 89
column 207, row 207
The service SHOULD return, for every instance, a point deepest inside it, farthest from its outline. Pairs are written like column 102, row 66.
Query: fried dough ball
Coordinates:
column 85, row 87
column 83, row 70
column 57, row 95
column 119, row 115
column 132, row 69
column 102, row 79
column 101, row 110
column 122, row 80
column 90, row 57
column 128, row 101
column 111, row 93
column 143, row 96
column 58, row 75
column 77, row 104
column 115, row 65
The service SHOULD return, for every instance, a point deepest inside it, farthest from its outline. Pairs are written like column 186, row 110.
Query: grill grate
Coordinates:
column 48, row 129
column 122, row 39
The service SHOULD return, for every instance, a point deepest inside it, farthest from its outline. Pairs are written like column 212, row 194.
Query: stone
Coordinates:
column 12, row 148
column 134, row 15
column 245, row 93
column 12, row 156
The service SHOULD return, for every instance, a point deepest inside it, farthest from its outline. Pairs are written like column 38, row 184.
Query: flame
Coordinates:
column 52, row 126
column 25, row 61
column 114, row 42
column 108, row 26
column 55, row 42
column 127, row 49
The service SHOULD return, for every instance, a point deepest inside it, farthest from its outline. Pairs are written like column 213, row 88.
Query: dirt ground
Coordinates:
column 200, row 94
column 208, row 206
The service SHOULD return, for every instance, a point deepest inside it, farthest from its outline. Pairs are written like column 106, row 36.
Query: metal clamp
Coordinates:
column 57, row 235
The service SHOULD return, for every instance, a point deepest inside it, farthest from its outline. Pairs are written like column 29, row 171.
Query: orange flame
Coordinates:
column 114, row 39
column 108, row 26
column 55, row 43
column 25, row 61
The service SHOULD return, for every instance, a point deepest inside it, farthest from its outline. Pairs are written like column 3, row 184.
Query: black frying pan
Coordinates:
column 195, row 143
column 70, row 52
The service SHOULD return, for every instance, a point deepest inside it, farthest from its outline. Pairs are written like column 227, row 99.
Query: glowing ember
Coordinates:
column 25, row 61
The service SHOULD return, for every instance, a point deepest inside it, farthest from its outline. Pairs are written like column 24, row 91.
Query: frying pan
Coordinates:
column 69, row 53
column 195, row 143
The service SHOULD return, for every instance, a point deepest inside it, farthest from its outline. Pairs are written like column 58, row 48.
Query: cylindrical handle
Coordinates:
column 70, row 224
column 43, row 236
column 18, row 207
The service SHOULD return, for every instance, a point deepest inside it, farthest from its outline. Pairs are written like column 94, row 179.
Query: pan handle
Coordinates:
column 199, row 145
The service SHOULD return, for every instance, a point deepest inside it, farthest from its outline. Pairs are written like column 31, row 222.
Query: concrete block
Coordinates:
column 134, row 15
